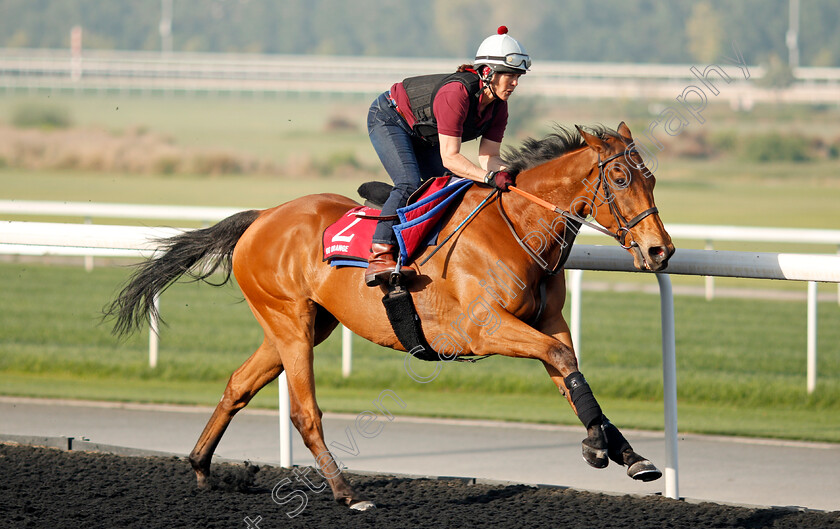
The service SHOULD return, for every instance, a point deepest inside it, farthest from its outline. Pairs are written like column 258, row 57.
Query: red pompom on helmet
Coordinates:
column 503, row 54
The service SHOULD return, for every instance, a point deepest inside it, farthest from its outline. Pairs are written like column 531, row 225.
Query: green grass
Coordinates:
column 725, row 200
column 231, row 191
column 272, row 128
column 740, row 371
column 430, row 401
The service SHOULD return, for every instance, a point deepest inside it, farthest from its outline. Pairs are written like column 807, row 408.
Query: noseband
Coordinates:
column 624, row 226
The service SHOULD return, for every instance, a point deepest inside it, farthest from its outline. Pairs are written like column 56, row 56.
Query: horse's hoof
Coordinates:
column 644, row 471
column 363, row 505
column 202, row 481
column 595, row 457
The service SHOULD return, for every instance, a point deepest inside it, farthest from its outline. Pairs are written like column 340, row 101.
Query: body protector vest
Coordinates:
column 421, row 93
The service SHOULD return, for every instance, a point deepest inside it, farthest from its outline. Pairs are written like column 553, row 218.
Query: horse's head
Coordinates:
column 623, row 201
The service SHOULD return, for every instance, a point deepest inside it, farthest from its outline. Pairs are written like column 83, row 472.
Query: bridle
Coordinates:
column 624, row 225
column 620, row 235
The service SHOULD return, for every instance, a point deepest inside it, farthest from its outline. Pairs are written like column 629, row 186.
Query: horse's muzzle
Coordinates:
column 652, row 258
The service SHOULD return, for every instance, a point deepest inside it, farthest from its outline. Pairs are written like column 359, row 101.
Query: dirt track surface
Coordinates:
column 49, row 488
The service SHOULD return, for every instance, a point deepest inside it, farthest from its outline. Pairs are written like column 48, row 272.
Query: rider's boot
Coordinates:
column 381, row 264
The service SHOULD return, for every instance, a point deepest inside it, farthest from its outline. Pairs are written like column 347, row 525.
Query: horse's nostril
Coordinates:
column 658, row 253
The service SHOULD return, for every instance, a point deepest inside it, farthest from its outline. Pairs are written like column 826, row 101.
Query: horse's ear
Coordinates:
column 624, row 131
column 596, row 143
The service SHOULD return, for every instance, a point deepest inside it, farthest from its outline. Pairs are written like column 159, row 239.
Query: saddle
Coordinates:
column 347, row 241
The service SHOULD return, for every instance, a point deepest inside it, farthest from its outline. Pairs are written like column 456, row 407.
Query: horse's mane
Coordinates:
column 534, row 152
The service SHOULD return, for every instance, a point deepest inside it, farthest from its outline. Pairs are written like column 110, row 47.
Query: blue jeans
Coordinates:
column 407, row 159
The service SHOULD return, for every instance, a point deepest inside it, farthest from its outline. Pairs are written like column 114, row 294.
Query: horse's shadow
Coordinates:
column 494, row 495
column 772, row 517
column 488, row 496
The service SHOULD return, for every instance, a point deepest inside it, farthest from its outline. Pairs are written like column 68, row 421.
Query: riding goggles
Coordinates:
column 518, row 60
column 514, row 60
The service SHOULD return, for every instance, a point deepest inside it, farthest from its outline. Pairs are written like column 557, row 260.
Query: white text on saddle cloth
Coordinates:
column 350, row 236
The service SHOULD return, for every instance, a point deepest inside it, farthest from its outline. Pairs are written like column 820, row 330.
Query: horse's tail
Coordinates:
column 212, row 246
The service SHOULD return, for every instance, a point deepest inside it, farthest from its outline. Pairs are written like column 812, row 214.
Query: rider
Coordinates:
column 418, row 125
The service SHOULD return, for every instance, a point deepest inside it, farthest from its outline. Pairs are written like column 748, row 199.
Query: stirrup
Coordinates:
column 395, row 278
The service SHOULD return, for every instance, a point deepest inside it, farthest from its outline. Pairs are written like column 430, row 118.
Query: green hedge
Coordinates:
column 38, row 115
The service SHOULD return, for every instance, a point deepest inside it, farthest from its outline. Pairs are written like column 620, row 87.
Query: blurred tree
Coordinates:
column 819, row 40
column 824, row 57
column 459, row 26
column 704, row 32
column 778, row 73
column 19, row 40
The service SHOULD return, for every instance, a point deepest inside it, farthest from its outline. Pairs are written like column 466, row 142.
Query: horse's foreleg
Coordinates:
column 579, row 395
column 604, row 440
column 622, row 453
column 567, row 376
column 553, row 348
column 261, row 368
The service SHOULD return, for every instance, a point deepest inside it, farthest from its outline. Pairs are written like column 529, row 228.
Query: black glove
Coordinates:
column 499, row 179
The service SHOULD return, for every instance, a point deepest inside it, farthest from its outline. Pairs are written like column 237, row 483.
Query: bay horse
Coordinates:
column 492, row 292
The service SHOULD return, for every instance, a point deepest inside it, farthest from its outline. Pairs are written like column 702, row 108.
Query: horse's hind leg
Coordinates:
column 306, row 416
column 296, row 326
column 261, row 368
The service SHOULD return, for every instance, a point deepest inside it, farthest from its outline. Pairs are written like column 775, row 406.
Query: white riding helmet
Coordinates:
column 503, row 54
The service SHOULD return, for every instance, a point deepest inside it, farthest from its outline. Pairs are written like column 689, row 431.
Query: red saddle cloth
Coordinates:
column 347, row 241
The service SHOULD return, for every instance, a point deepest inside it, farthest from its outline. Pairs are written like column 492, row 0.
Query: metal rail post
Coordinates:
column 710, row 280
column 812, row 337
column 346, row 351
column 88, row 258
column 575, row 281
column 669, row 382
column 284, row 409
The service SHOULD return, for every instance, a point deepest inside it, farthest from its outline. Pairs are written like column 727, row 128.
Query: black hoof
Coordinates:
column 644, row 471
column 595, row 457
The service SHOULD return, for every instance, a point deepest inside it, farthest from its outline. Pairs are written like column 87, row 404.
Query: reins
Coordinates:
column 567, row 240
column 573, row 222
column 458, row 228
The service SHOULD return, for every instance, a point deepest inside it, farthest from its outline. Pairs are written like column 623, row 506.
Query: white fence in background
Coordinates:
column 34, row 238
column 207, row 215
column 89, row 211
column 711, row 233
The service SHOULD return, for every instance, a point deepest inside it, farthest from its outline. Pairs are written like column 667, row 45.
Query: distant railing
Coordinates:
column 24, row 69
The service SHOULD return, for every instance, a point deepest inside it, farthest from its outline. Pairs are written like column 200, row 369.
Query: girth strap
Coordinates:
column 543, row 301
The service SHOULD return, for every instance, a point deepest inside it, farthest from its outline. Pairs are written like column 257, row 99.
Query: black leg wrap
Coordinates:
column 588, row 410
column 616, row 442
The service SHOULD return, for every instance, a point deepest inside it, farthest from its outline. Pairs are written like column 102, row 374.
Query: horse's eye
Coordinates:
column 621, row 182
